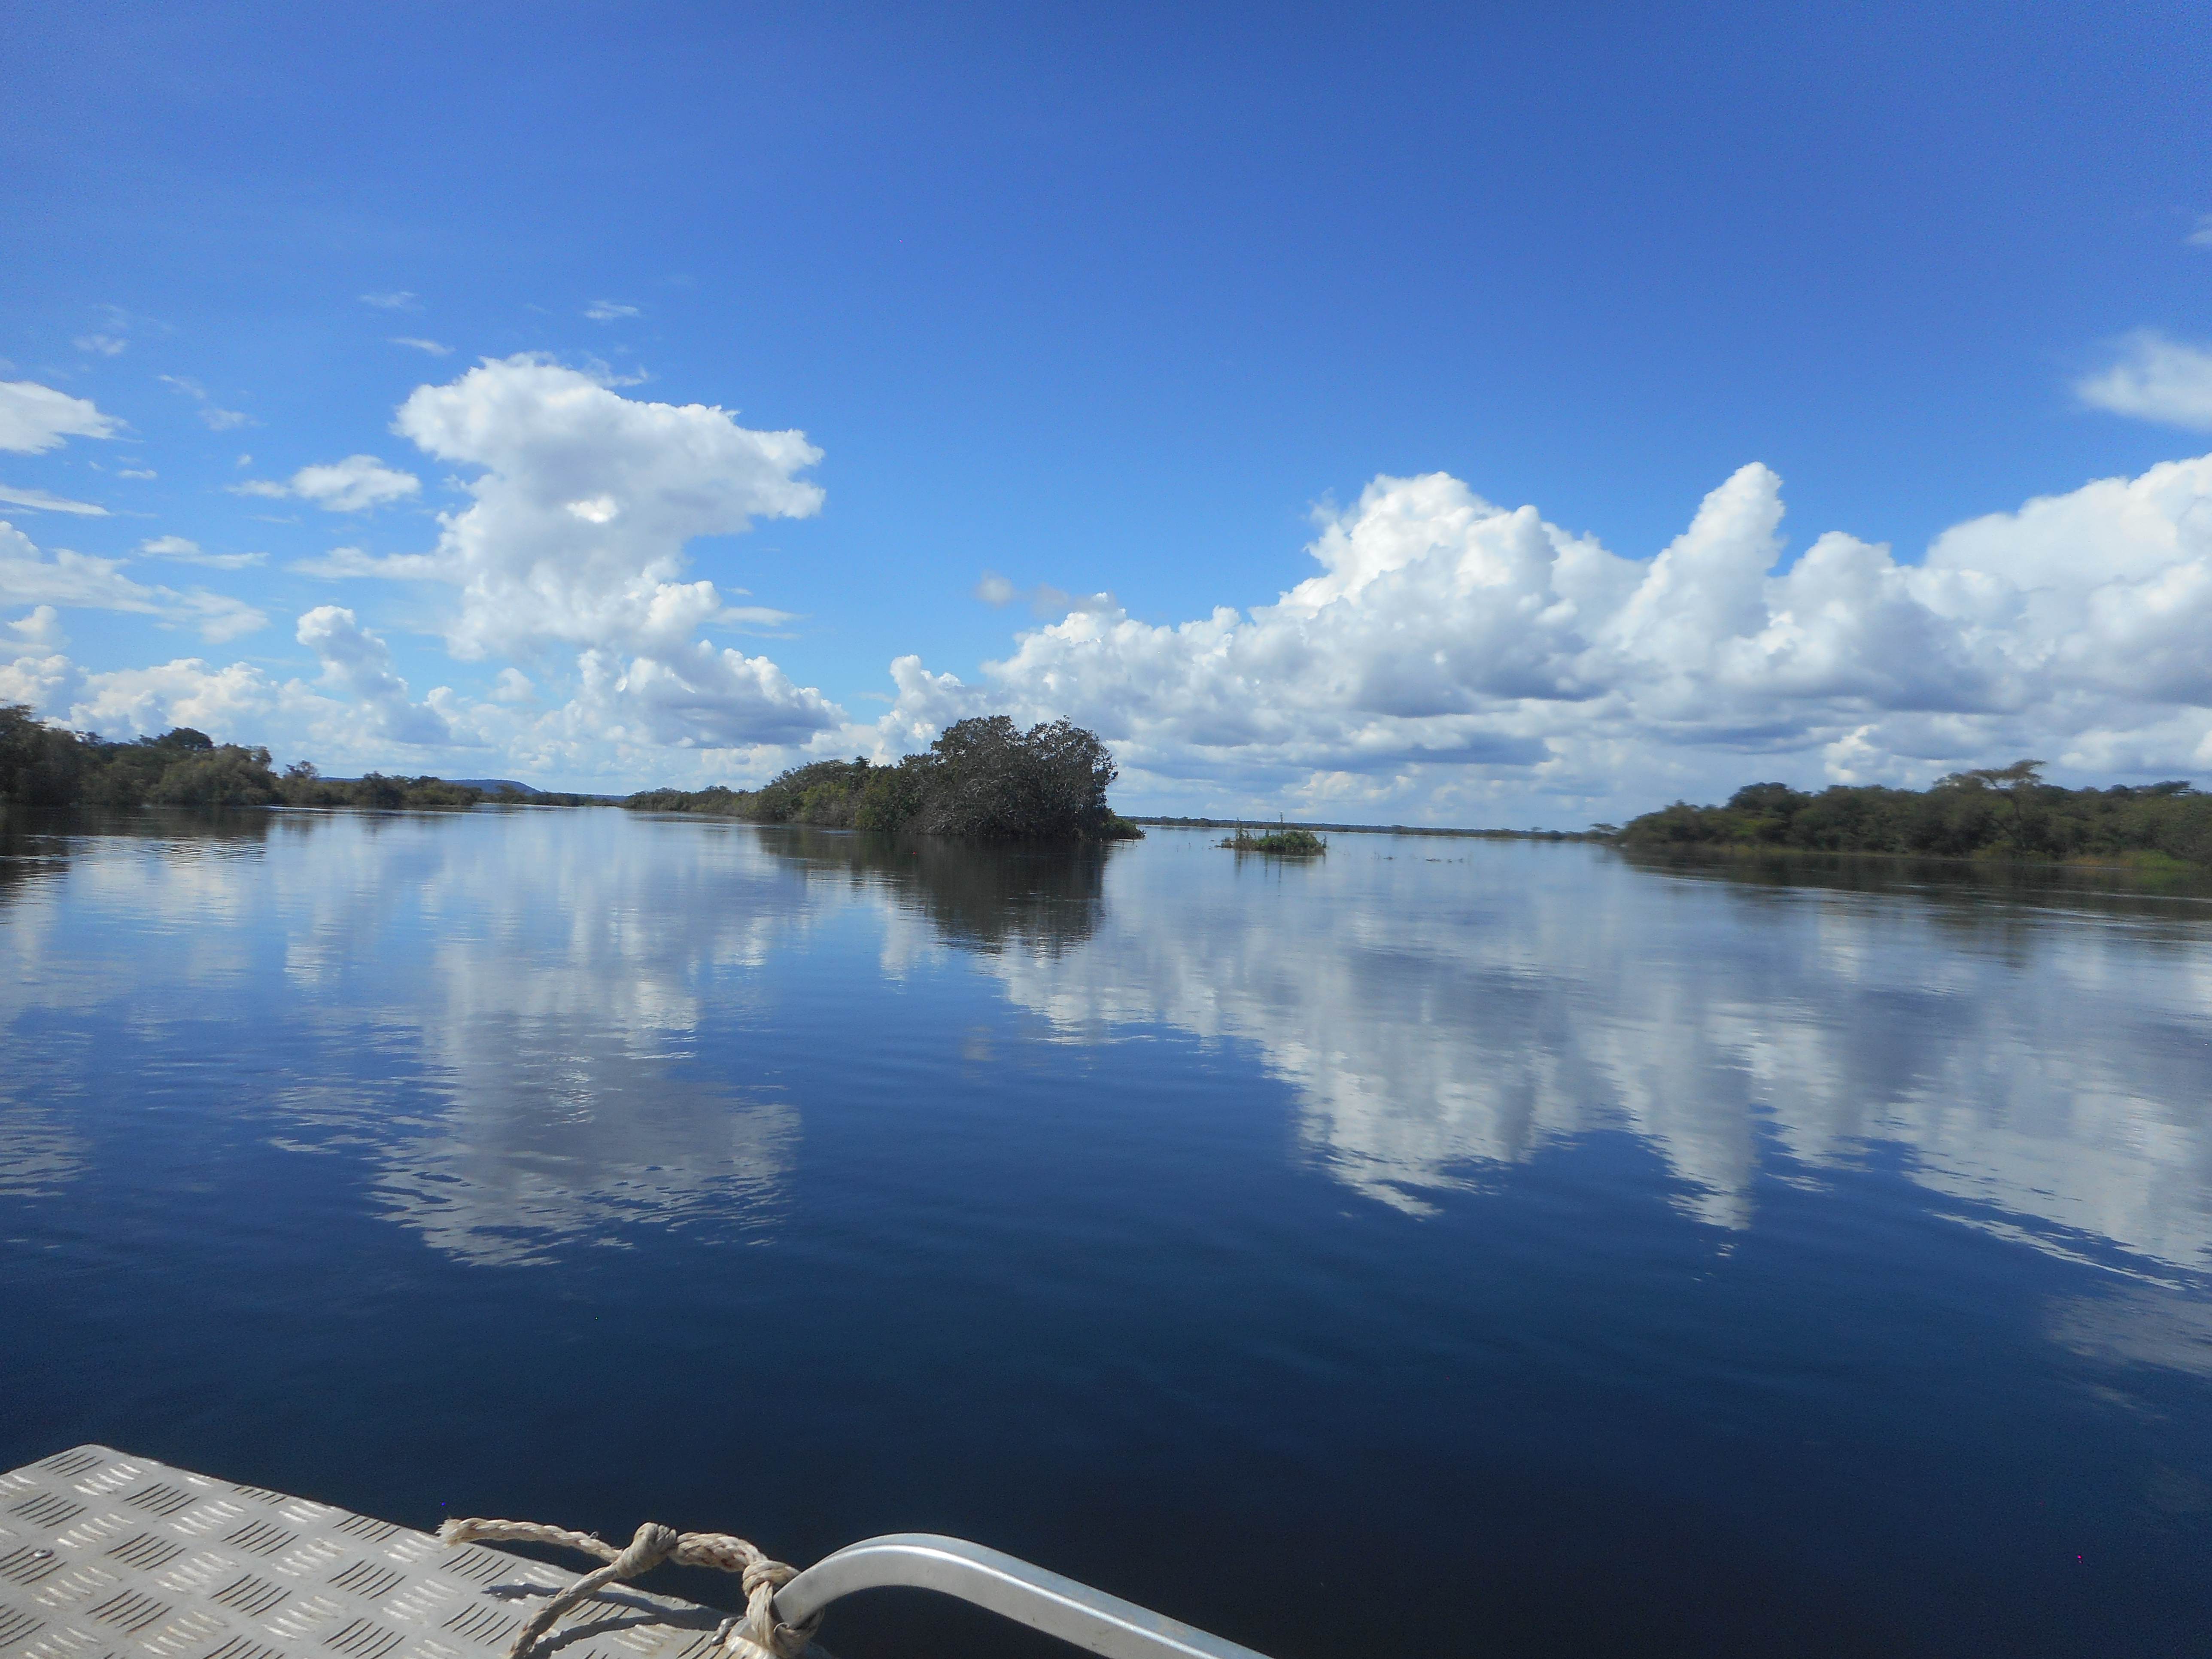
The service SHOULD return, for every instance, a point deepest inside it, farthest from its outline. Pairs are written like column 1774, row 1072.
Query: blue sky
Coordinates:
column 1117, row 301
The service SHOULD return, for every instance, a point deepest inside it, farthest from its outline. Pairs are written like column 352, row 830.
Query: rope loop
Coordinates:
column 758, row 1635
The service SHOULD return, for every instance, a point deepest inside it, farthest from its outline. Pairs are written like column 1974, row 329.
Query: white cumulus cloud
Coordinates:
column 575, row 539
column 42, row 627
column 233, row 704
column 358, row 661
column 1457, row 654
column 36, row 418
column 2155, row 379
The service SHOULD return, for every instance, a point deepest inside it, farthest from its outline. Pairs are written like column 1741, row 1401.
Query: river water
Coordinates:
column 1447, row 1246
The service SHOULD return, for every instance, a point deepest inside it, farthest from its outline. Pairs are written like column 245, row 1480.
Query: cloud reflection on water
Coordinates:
column 524, row 1022
column 554, row 1025
column 1438, row 1018
column 503, row 1017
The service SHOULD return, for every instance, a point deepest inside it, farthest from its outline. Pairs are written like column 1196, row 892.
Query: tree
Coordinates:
column 989, row 780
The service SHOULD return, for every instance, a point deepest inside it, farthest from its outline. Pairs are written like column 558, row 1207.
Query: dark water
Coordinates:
column 1451, row 1247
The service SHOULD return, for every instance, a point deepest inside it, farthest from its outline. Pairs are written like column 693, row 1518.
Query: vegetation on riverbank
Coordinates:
column 983, row 780
column 47, row 765
column 2004, row 812
column 43, row 765
column 1283, row 841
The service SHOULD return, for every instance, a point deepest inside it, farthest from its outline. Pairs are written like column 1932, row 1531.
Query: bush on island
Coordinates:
column 1283, row 841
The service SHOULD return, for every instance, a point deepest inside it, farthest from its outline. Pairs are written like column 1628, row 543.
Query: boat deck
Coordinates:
column 104, row 1555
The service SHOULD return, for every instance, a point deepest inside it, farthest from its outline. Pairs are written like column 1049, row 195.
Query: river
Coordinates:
column 1443, row 1246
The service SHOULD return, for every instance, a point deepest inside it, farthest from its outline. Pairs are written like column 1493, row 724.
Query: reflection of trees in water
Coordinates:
column 2114, row 888
column 37, row 843
column 983, row 897
column 1994, row 906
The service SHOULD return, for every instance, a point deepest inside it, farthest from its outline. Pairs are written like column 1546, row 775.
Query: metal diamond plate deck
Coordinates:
column 106, row 1556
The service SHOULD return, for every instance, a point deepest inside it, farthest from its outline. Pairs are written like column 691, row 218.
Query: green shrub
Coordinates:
column 50, row 766
column 228, row 776
column 1287, row 841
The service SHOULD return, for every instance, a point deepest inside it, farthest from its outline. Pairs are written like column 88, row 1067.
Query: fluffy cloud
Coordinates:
column 36, row 418
column 42, row 627
column 241, row 703
column 356, row 659
column 1449, row 645
column 77, row 579
column 570, row 555
column 233, row 704
column 37, row 679
column 576, row 539
column 2155, row 379
column 352, row 485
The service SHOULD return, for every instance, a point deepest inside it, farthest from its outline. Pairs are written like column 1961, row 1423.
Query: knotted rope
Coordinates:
column 756, row 1636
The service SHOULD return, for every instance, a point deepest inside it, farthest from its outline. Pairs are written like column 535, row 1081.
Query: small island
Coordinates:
column 1289, row 842
column 1999, row 812
column 984, row 778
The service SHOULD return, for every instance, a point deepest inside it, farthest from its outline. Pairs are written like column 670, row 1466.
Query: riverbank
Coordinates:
column 2005, row 813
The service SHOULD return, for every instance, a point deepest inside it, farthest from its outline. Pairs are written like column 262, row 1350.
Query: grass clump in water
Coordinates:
column 1284, row 841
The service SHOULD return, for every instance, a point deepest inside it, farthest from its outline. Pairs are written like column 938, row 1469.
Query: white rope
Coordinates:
column 756, row 1636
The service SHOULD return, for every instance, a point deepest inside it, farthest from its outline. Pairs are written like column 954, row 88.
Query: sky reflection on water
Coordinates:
column 2044, row 1056
column 536, row 987
column 1578, row 1196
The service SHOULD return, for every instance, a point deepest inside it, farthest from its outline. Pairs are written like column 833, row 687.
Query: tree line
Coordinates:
column 2007, row 812
column 984, row 778
column 43, row 765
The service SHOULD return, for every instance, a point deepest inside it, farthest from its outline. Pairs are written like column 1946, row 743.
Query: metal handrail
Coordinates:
column 1028, row 1594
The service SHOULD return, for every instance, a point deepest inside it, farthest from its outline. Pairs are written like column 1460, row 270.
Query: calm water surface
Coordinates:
column 1450, row 1246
